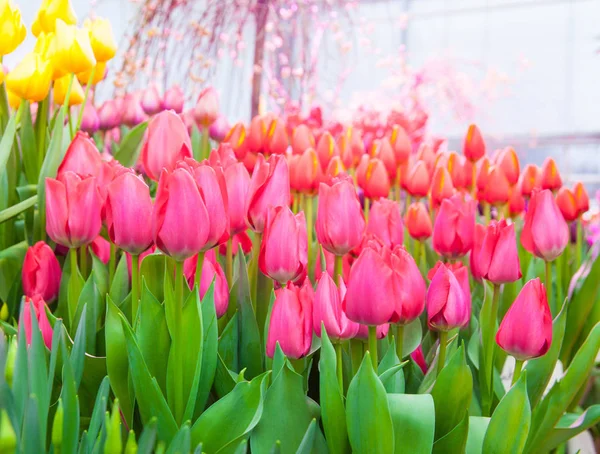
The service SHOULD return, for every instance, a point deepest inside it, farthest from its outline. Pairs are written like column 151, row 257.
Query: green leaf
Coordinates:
column 390, row 372
column 332, row 402
column 477, row 428
column 120, row 284
column 38, row 378
column 6, row 143
column 413, row 418
column 181, row 442
column 20, row 374
column 370, row 426
column 209, row 349
column 455, row 440
column 78, row 351
column 569, row 426
column 90, row 297
column 70, row 433
column 11, row 261
column 153, row 270
column 508, row 429
column 100, row 272
column 225, row 380
column 17, row 209
column 31, row 435
column 413, row 334
column 228, row 343
column 98, row 413
column 29, row 148
column 148, row 438
column 239, row 411
column 308, row 441
column 130, row 146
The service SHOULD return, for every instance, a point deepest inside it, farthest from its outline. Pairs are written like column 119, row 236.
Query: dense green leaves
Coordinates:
column 413, row 418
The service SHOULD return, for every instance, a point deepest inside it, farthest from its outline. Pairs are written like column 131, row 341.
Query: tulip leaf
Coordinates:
column 31, row 435
column 286, row 416
column 370, row 425
column 308, row 441
column 17, row 209
column 29, row 149
column 78, row 351
column 117, row 364
column 455, row 440
column 130, row 147
column 38, row 378
column 148, row 395
column 569, row 426
column 98, row 413
column 477, row 427
column 239, row 412
column 390, row 370
column 70, row 432
column 210, row 345
column 147, row 438
column 181, row 442
column 413, row 417
column 228, row 343
column 225, row 380
column 152, row 269
column 333, row 413
column 6, row 143
column 119, row 288
column 90, row 297
column 100, row 275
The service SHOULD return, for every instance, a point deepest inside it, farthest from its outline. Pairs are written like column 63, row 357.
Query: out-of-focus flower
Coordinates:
column 418, row 181
column 90, row 122
column 302, row 139
column 12, row 29
column 385, row 222
column 508, row 161
column 110, row 114
column 582, row 199
column 236, row 137
column 133, row 114
column 497, row 190
column 565, row 199
column 441, row 187
column 174, row 99
column 326, row 149
column 72, row 49
column 151, row 102
column 218, row 130
column 550, row 177
column 206, row 110
column 474, row 145
column 31, row 78
column 101, row 38
column 372, row 178
column 418, row 221
column 49, row 12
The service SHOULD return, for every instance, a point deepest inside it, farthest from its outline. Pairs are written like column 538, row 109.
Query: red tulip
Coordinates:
column 82, row 157
column 418, row 221
column 237, row 139
column 582, row 199
column 447, row 304
column 327, row 309
column 496, row 258
column 276, row 141
column 385, row 222
column 283, row 250
column 110, row 114
column 474, row 145
column 39, row 308
column 565, row 199
column 508, row 161
column 291, row 321
column 237, row 181
column 309, row 172
column 418, row 181
column 41, row 272
column 401, row 144
column 372, row 177
column 516, row 203
column 133, row 113
column 530, row 179
column 211, row 272
column 330, row 264
column 550, row 176
column 340, row 223
column 497, row 190
column 454, row 226
column 180, row 221
column 545, row 232
column 526, row 330
column 72, row 210
column 174, row 99
column 151, row 102
column 269, row 187
column 167, row 142
column 128, row 213
column 206, row 110
column 302, row 139
column 441, row 187
column 326, row 149
column 101, row 249
column 427, row 154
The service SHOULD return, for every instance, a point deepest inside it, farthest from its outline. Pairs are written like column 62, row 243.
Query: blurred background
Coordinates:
column 526, row 71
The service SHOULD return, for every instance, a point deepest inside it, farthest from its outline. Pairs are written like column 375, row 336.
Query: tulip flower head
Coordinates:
column 401, row 144
column 73, row 50
column 441, row 187
column 474, row 145
column 206, row 110
column 31, row 78
column 550, row 176
column 327, row 310
column 151, row 102
column 447, row 304
column 326, row 149
column 454, row 226
column 237, row 139
column 418, row 181
column 90, row 122
column 302, row 139
column 565, row 199
column 49, row 12
column 211, row 272
column 13, row 30
column 497, row 189
column 495, row 256
column 110, row 115
column 133, row 114
column 82, row 157
column 237, row 181
column 101, row 249
column 508, row 161
column 373, row 178
column 174, row 99
column 308, row 172
column 582, row 199
column 39, row 312
column 41, row 272
column 276, row 140
column 418, row 221
column 101, row 38
column 385, row 222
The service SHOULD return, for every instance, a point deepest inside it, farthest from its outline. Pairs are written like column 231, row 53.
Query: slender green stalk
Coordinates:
column 205, row 150
column 579, row 245
column 373, row 346
column 423, row 260
column 442, row 353
column 135, row 286
column 83, row 261
column 338, row 269
column 253, row 269
column 339, row 365
column 367, row 208
column 399, row 340
column 295, row 202
column 199, row 266
column 308, row 211
column 73, row 284
column 488, row 348
column 417, row 252
column 559, row 265
column 112, row 263
column 356, row 354
column 40, row 130
column 551, row 299
column 177, row 341
column 518, row 369
column 229, row 262
column 408, row 202
column 487, row 212
column 85, row 97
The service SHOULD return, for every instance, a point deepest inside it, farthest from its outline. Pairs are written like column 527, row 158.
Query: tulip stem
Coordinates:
column 356, row 354
column 204, row 151
column 83, row 260
column 373, row 346
column 518, row 369
column 199, row 266
column 487, row 337
column 442, row 352
column 338, row 269
column 135, row 286
column 229, row 262
column 85, row 97
column 309, row 231
column 74, row 289
column 367, row 208
column 579, row 244
column 399, row 340
column 339, row 365
column 551, row 299
column 177, row 341
column 112, row 263
column 487, row 211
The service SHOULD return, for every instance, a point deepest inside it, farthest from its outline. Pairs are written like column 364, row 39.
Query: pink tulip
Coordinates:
column 283, row 250
column 237, row 181
column 72, row 210
column 128, row 212
column 211, row 272
column 474, row 146
column 151, row 102
column 308, row 172
column 82, row 157
column 180, row 221
column 418, row 357
column 276, row 140
column 454, row 226
column 409, row 287
column 174, row 99
column 151, row 250
column 418, row 221
column 363, row 331
column 240, row 240
column 526, row 330
column 385, row 222
column 39, row 307
column 101, row 249
column 219, row 129
column 269, row 187
column 496, row 257
column 133, row 113
column 291, row 321
column 302, row 139
column 223, row 156
column 545, row 232
column 110, row 114
column 340, row 222
column 207, row 107
column 327, row 309
column 167, row 142
column 41, row 272
column 447, row 304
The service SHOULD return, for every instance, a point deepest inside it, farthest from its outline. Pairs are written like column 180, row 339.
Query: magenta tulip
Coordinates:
column 447, row 304
column 101, row 249
column 211, row 272
column 409, row 287
column 82, row 157
column 110, row 114
column 90, row 122
column 454, row 226
column 385, row 222
column 363, row 331
column 237, row 180
column 327, row 310
column 39, row 308
column 495, row 256
column 133, row 114
column 41, row 272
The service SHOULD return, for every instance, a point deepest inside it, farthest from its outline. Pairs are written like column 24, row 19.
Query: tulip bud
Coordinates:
column 151, row 102
column 72, row 210
column 219, row 129
column 330, row 265
column 496, row 257
column 276, row 140
column 372, row 177
column 326, row 149
column 335, row 167
column 90, row 122
column 8, row 437
column 49, row 12
column 82, row 157
column 530, row 179
column 454, row 226
column 302, row 139
column 174, row 99
column 447, row 304
column 101, row 249
column 31, row 78
column 73, row 50
column 497, row 190
column 211, row 272
column 409, row 287
column 167, row 142
column 257, row 134
column 133, row 114
column 418, row 222
column 565, row 199
column 4, row 313
column 308, row 172
column 401, row 144
column 418, row 357
column 110, row 115
column 382, row 149
column 131, row 446
column 582, row 200
column 237, row 181
column 39, row 307
column 545, row 232
column 550, row 177
column 61, row 87
column 526, row 330
column 41, row 272
column 340, row 223
column 474, row 145
column 483, row 169
column 327, row 310
column 441, row 187
column 207, row 107
column 363, row 331
column 508, row 161
column 385, row 222
column 291, row 321
column 418, row 181
column 516, row 203
column 269, row 187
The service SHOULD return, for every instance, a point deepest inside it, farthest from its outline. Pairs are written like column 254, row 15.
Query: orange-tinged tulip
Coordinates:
column 61, row 86
column 565, row 199
column 309, row 173
column 335, row 167
column 508, row 161
column 257, row 133
column 12, row 29
column 326, row 149
column 516, row 203
column 101, row 39
column 277, row 139
column 73, row 50
column 550, row 178
column 49, row 12
column 529, row 179
column 418, row 181
column 418, row 221
column 206, row 110
column 441, row 187
column 373, row 178
column 31, row 78
column 582, row 199
column 483, row 168
column 383, row 150
column 237, row 139
column 497, row 189
column 401, row 144
column 474, row 145
column 302, row 139
column 428, row 155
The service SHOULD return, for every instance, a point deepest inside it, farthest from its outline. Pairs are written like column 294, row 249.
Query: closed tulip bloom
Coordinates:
column 530, row 179
column 180, row 219
column 447, row 305
column 101, row 38
column 206, row 110
column 49, row 12
column 31, row 78
column 90, row 122
column 133, row 114
column 110, row 115
column 283, row 250
column 454, row 226
column 401, row 144
column 340, row 222
column 474, row 145
column 497, row 190
column 237, row 180
column 101, row 249
column 128, row 212
column 545, row 232
column 302, row 139
column 167, row 142
column 174, row 99
column 257, row 133
column 418, row 182
column 327, row 310
column 428, row 155
column 241, row 241
column 441, row 187
column 72, row 210
column 73, row 50
column 326, row 149
column 418, row 221
column 497, row 257
column 219, row 129
column 550, row 176
column 565, row 199
column 12, row 28
column 516, row 202
column 151, row 102
column 474, row 262
column 508, row 161
column 276, row 141
column 99, row 74
column 291, row 321
column 39, row 309
column 409, row 287
column 41, row 272
column 526, row 330
column 582, row 199
column 383, row 150
column 82, row 157
column 385, row 222
column 237, row 139
column 418, row 357
column 373, row 178
column 309, row 173
column 363, row 331
column 269, row 187
column 483, row 169
column 293, row 160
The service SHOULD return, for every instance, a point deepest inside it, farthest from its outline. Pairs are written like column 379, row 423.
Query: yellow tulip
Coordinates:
column 72, row 51
column 101, row 38
column 60, row 91
column 49, row 12
column 12, row 30
column 13, row 100
column 99, row 72
column 45, row 46
column 31, row 78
